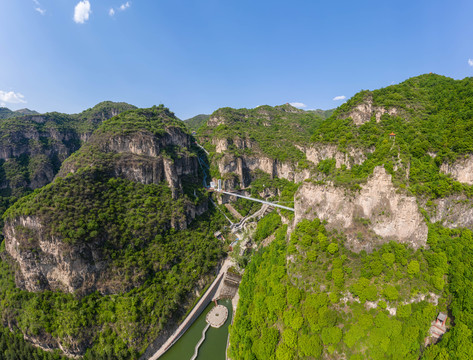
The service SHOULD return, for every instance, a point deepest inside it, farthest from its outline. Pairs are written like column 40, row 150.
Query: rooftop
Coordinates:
column 442, row 317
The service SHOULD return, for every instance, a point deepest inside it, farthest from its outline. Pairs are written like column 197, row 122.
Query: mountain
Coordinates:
column 381, row 236
column 243, row 142
column 194, row 123
column 25, row 111
column 103, row 111
column 6, row 113
column 324, row 114
column 380, row 241
column 32, row 147
column 119, row 233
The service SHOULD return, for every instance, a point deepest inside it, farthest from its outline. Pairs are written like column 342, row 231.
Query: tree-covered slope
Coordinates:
column 6, row 113
column 33, row 146
column 103, row 111
column 115, row 244
column 274, row 132
column 195, row 122
column 432, row 119
column 324, row 114
column 308, row 297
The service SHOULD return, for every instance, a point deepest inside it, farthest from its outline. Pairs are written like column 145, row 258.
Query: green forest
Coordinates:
column 274, row 131
column 304, row 294
column 307, row 296
column 433, row 126
column 152, row 267
column 154, row 258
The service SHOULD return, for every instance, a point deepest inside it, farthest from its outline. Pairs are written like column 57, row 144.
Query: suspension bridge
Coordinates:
column 218, row 188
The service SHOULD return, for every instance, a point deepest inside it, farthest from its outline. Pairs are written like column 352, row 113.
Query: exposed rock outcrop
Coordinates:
column 47, row 262
column 376, row 214
column 452, row 211
column 352, row 156
column 363, row 112
column 140, row 158
column 242, row 166
column 461, row 170
column 36, row 145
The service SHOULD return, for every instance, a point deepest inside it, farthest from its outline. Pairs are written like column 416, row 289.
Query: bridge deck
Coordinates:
column 253, row 199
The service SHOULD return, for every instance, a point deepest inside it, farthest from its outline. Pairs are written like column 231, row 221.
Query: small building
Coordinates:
column 218, row 235
column 392, row 136
column 441, row 319
column 438, row 327
column 194, row 133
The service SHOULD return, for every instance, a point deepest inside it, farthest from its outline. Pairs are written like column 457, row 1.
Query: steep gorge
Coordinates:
column 118, row 220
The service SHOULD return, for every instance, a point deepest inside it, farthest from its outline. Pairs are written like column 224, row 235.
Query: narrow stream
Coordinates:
column 215, row 342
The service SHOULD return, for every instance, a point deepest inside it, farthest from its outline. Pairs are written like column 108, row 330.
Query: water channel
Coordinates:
column 215, row 342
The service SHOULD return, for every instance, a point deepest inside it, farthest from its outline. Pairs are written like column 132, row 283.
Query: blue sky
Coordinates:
column 196, row 56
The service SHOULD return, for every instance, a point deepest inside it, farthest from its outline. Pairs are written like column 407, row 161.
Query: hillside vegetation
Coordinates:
column 6, row 113
column 306, row 296
column 33, row 147
column 311, row 297
column 272, row 131
column 433, row 124
column 130, row 237
column 194, row 123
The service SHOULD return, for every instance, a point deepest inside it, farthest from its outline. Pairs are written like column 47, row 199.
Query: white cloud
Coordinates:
column 82, row 12
column 298, row 104
column 38, row 7
column 125, row 6
column 470, row 62
column 340, row 97
column 122, row 7
column 11, row 97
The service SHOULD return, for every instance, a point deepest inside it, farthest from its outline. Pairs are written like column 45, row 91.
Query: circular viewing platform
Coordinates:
column 217, row 316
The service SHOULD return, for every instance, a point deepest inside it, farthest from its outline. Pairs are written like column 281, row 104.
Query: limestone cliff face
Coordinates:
column 461, row 170
column 319, row 152
column 454, row 211
column 48, row 263
column 140, row 157
column 376, row 214
column 30, row 142
column 36, row 145
column 363, row 112
column 243, row 165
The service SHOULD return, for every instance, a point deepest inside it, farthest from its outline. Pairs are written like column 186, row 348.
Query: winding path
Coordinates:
column 197, row 346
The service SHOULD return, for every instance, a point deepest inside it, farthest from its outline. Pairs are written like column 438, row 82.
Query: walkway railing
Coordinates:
column 202, row 339
column 257, row 200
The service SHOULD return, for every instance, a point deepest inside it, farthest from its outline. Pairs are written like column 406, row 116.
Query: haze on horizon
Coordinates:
column 195, row 57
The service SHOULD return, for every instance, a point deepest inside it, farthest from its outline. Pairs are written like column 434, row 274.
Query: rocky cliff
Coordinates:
column 351, row 156
column 265, row 138
column 376, row 214
column 156, row 153
column 47, row 262
column 363, row 112
column 140, row 156
column 461, row 170
column 32, row 147
column 243, row 165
